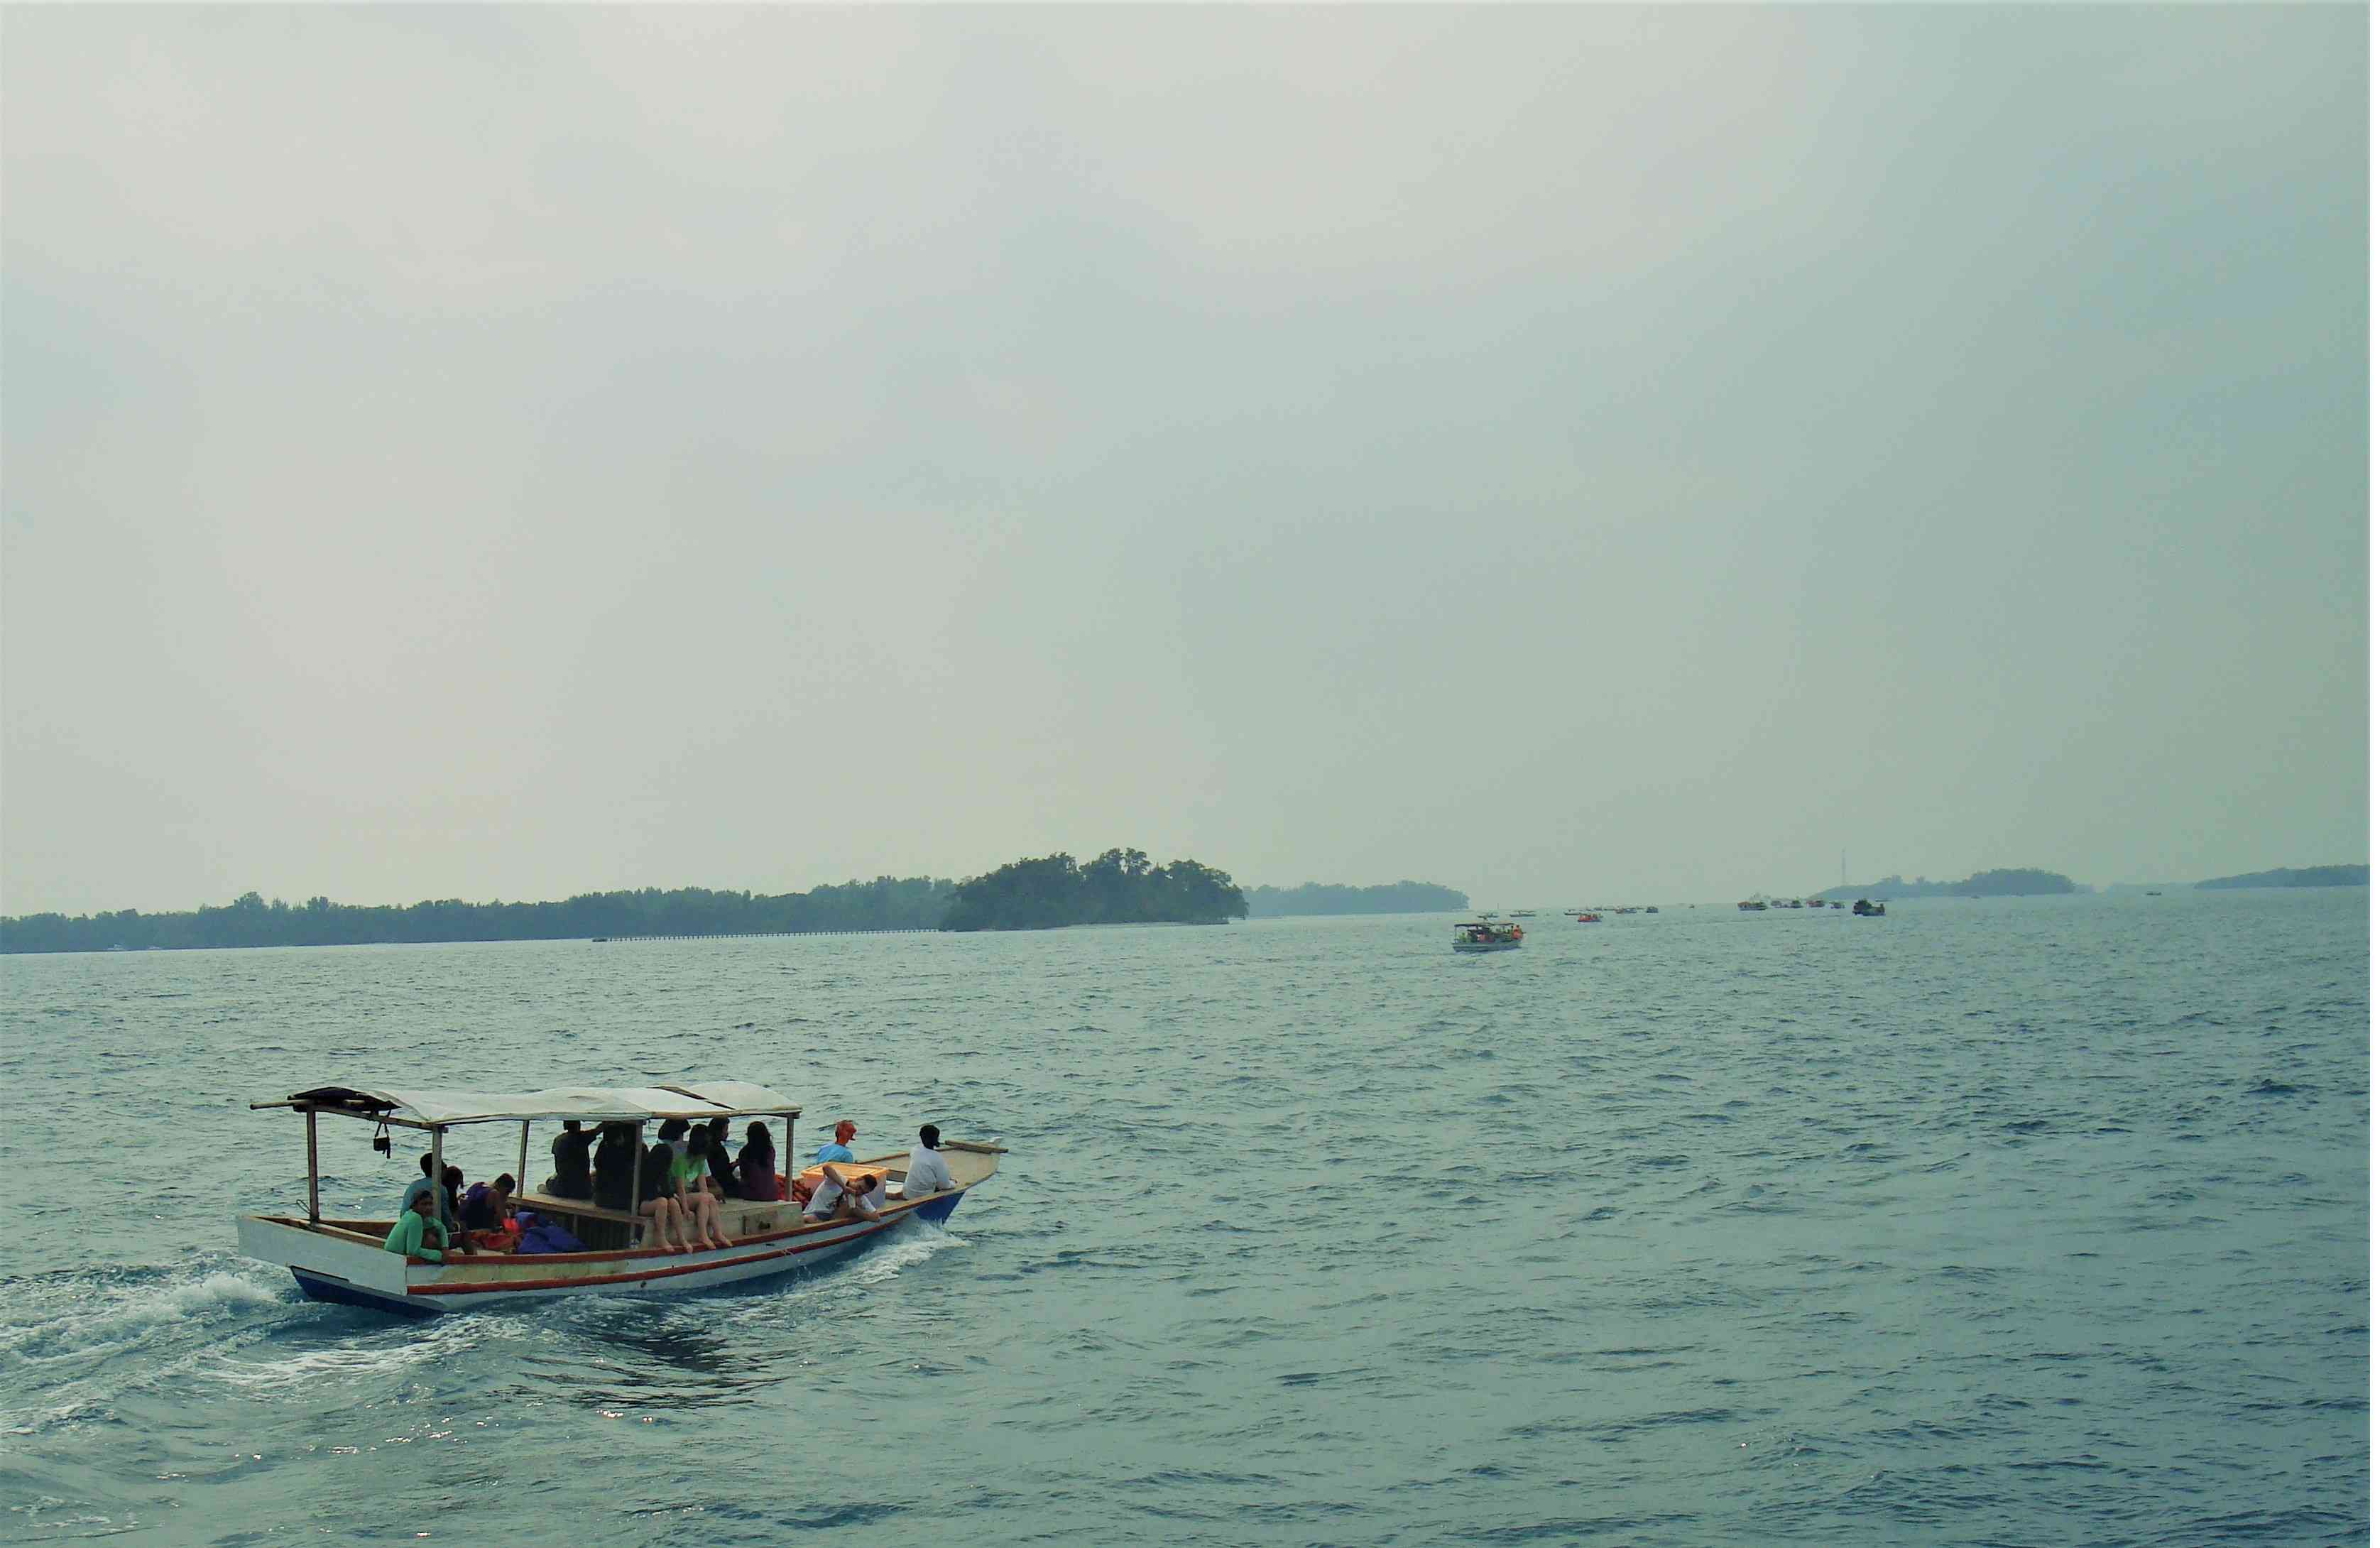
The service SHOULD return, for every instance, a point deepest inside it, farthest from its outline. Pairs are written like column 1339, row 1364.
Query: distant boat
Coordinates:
column 1590, row 916
column 1754, row 906
column 2156, row 895
column 1834, row 905
column 1871, row 910
column 1650, row 909
column 1487, row 936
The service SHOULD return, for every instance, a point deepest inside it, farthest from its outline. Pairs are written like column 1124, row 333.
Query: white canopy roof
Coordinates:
column 704, row 1099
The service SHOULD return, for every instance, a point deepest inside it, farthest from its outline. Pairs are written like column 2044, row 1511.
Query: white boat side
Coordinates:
column 346, row 1261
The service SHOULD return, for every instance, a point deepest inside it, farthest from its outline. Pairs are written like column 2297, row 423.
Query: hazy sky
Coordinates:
column 1591, row 453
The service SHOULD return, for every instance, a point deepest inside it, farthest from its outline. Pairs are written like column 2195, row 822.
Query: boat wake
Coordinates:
column 905, row 1250
column 87, row 1336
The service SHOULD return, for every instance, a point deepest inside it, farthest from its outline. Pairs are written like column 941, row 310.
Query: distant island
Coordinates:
column 1322, row 897
column 887, row 903
column 1120, row 888
column 2304, row 876
column 1983, row 883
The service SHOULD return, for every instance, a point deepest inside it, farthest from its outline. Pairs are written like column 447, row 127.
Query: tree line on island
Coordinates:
column 2026, row 881
column 1122, row 886
column 887, row 903
column 2303, row 876
column 2022, row 881
column 1391, row 898
column 1119, row 887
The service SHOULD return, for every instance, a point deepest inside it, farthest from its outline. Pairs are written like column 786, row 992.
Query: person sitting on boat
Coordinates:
column 845, row 1133
column 488, row 1215
column 616, row 1167
column 857, row 1197
column 928, row 1173
column 756, row 1169
column 450, row 1220
column 674, row 1135
column 407, row 1238
column 571, row 1178
column 724, row 1184
column 657, row 1199
column 420, row 1188
column 689, row 1175
column 485, row 1204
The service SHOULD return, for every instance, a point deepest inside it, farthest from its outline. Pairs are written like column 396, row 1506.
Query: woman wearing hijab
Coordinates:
column 756, row 1169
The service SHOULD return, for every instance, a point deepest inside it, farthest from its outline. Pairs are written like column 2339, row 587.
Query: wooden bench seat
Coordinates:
column 602, row 1230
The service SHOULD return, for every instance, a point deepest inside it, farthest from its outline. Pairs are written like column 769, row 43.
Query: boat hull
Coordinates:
column 355, row 1274
column 1486, row 945
column 346, row 1263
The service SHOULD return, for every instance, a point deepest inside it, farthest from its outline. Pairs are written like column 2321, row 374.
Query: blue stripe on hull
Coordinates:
column 939, row 1209
column 316, row 1287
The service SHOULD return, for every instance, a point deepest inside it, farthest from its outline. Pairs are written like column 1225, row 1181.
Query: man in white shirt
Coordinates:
column 928, row 1173
column 862, row 1201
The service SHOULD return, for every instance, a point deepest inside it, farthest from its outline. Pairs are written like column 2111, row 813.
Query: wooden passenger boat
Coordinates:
column 1487, row 936
column 345, row 1260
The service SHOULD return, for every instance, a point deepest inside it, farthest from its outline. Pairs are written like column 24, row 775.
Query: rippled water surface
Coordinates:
column 2035, row 1220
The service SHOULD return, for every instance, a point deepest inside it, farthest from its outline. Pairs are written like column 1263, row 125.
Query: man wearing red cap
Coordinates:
column 845, row 1132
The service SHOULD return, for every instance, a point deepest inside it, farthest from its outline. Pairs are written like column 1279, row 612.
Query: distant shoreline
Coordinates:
column 884, row 906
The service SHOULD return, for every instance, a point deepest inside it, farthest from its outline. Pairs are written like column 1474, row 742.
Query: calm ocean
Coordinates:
column 2016, row 1221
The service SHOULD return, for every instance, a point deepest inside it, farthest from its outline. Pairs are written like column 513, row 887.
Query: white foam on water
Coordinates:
column 906, row 1249
column 397, row 1346
column 80, row 1322
column 217, row 1290
column 82, row 1318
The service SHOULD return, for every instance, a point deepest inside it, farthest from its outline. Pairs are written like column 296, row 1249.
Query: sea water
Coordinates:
column 2029, row 1221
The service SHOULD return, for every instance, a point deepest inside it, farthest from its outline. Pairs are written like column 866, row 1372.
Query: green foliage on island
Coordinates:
column 2303, row 876
column 1120, row 888
column 1321, row 898
column 1983, row 883
column 887, row 903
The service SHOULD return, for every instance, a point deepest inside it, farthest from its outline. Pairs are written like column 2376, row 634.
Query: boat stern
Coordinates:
column 328, row 1264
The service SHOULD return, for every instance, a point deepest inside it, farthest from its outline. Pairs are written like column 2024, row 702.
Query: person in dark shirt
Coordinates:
column 657, row 1199
column 571, row 1178
column 616, row 1167
column 723, row 1168
column 756, row 1169
column 451, row 1193
column 484, row 1204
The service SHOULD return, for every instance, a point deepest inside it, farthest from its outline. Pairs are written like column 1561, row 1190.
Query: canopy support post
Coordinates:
column 438, row 1186
column 313, row 1174
column 639, row 1234
column 520, row 1178
column 786, row 1192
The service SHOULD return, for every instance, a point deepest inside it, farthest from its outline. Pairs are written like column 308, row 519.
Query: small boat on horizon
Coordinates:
column 1487, row 936
column 1867, row 909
